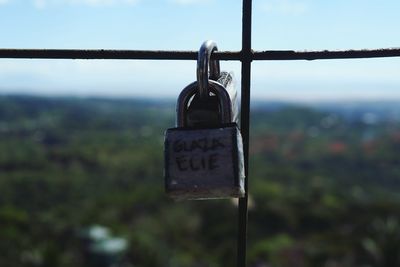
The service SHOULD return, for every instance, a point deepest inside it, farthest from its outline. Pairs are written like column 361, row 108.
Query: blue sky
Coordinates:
column 185, row 24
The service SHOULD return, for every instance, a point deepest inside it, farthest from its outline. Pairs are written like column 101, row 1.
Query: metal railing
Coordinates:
column 245, row 56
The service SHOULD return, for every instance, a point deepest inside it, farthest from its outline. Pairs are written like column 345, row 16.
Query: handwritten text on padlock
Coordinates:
column 198, row 161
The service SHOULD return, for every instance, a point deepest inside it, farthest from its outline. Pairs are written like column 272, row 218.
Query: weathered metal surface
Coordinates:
column 245, row 128
column 204, row 156
column 204, row 163
column 192, row 55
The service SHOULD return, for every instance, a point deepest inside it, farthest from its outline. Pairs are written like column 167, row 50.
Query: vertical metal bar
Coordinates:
column 245, row 123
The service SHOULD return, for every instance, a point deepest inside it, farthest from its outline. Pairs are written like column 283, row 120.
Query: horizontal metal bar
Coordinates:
column 314, row 55
column 110, row 54
column 192, row 55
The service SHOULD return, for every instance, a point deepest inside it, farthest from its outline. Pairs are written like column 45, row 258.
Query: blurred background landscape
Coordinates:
column 81, row 141
column 81, row 184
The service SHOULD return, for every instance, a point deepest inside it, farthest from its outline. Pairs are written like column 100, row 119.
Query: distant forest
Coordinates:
column 81, row 184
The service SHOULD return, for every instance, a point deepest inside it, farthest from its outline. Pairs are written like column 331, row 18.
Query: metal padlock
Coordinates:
column 204, row 158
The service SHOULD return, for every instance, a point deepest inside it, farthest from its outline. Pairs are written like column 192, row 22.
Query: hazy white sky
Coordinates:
column 185, row 24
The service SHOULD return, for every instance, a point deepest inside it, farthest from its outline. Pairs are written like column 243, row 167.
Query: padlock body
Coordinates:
column 204, row 163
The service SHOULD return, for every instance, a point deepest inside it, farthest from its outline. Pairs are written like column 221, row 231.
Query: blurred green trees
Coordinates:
column 323, row 190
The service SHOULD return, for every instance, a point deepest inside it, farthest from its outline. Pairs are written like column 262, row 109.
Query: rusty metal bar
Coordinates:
column 247, row 56
column 315, row 55
column 192, row 55
column 110, row 54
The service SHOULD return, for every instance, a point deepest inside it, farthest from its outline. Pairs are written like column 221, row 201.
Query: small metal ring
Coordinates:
column 203, row 62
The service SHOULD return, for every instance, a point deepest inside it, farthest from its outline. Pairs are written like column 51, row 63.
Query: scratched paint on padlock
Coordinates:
column 194, row 154
column 202, row 161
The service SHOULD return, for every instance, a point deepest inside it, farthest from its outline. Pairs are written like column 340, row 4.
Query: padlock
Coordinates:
column 204, row 154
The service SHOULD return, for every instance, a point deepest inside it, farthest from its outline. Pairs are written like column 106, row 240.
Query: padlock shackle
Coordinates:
column 203, row 64
column 189, row 91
